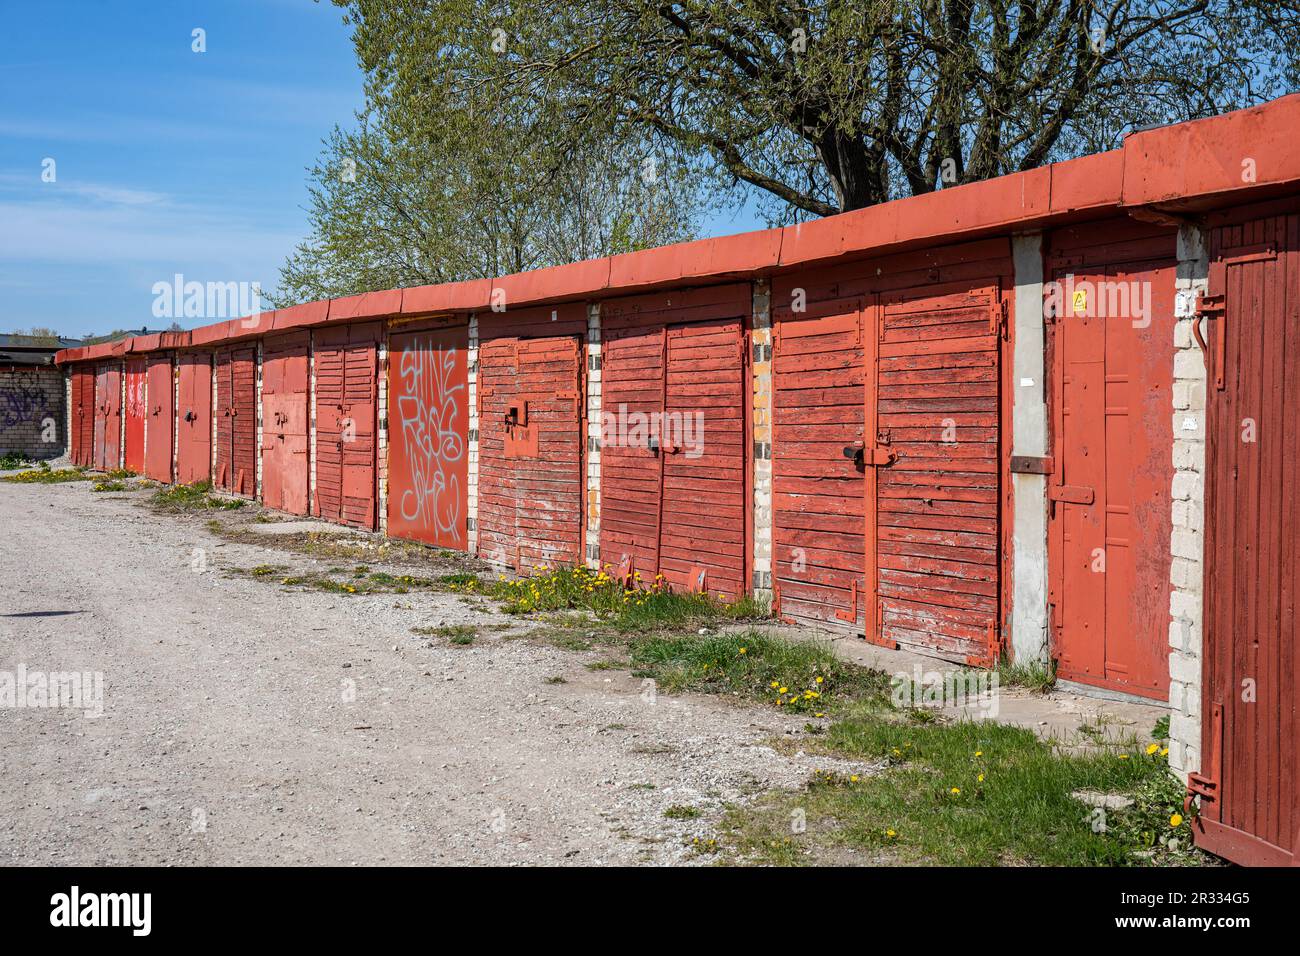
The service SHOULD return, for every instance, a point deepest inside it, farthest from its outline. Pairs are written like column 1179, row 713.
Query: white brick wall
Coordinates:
column 1187, row 542
column 593, row 435
column 471, row 480
column 761, row 345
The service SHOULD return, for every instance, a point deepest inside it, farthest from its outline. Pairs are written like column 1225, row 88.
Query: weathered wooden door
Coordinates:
column 83, row 415
column 931, row 459
column 285, row 468
column 1250, row 775
column 193, row 417
column 159, row 418
column 236, row 455
column 346, row 366
column 530, row 452
column 1112, row 375
column 428, row 436
column 133, row 455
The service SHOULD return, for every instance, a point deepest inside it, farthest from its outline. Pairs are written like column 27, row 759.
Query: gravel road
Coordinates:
column 244, row 723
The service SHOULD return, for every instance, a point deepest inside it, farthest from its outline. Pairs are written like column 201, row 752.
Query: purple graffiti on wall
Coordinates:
column 21, row 400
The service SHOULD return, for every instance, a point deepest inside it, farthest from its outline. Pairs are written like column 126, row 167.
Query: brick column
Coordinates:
column 471, row 478
column 593, row 435
column 1187, row 543
column 761, row 343
column 381, row 432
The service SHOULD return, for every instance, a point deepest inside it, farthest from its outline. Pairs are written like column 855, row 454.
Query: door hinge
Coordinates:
column 1213, row 307
column 1071, row 494
column 851, row 615
column 998, row 318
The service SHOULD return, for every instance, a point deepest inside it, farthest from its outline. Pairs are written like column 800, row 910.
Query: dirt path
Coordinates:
column 228, row 737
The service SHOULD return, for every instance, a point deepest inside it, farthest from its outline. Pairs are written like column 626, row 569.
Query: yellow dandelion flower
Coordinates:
column 775, row 683
column 853, row 778
column 1176, row 820
column 955, row 791
column 980, row 778
column 1165, row 752
column 744, row 650
column 1123, row 756
column 1152, row 748
column 819, row 680
column 783, row 690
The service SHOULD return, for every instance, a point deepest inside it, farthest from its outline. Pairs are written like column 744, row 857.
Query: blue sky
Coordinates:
column 165, row 160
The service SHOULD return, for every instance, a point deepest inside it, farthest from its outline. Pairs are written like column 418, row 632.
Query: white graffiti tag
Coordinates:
column 428, row 413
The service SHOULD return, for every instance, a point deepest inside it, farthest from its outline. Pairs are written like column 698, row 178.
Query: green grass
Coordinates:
column 967, row 794
column 11, row 459
column 43, row 474
column 103, row 485
column 804, row 676
column 1035, row 676
column 196, row 497
column 454, row 633
column 680, row 811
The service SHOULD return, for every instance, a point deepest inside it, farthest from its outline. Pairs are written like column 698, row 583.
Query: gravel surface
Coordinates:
column 245, row 723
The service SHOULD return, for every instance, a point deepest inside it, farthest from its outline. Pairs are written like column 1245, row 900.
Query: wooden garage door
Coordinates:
column 346, row 367
column 1250, row 774
column 83, row 415
column 134, row 416
column 236, row 451
column 674, row 449
column 428, row 429
column 931, row 420
column 818, row 504
column 193, row 417
column 159, row 420
column 284, row 423
column 531, row 452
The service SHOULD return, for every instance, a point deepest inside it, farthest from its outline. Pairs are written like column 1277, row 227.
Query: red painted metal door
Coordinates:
column 159, row 418
column 1112, row 375
column 1250, row 776
column 346, row 395
column 83, row 416
column 818, row 495
column 135, row 416
column 108, row 418
column 193, row 418
column 674, row 461
column 285, row 468
column 931, row 466
column 428, row 429
column 236, row 461
column 530, row 452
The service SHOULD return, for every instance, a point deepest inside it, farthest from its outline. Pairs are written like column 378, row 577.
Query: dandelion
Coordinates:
column 853, row 778
column 1165, row 752
column 1176, row 820
column 1152, row 749
column 1123, row 756
column 980, row 778
column 819, row 680
column 979, row 753
column 891, row 833
column 783, row 690
column 955, row 791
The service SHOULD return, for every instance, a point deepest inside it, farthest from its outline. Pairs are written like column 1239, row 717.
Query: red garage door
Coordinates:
column 931, row 466
column 194, row 418
column 346, row 368
column 108, row 417
column 1250, row 776
column 428, row 428
column 284, row 423
column 674, row 454
column 236, row 450
column 818, row 504
column 530, row 452
column 135, row 416
column 83, row 415
column 159, row 418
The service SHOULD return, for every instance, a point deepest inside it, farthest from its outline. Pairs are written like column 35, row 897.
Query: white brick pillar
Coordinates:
column 761, row 345
column 1029, row 623
column 593, row 435
column 1187, row 544
column 257, row 410
column 381, row 432
column 471, row 478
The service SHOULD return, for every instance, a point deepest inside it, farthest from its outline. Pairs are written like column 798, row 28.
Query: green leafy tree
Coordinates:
column 822, row 106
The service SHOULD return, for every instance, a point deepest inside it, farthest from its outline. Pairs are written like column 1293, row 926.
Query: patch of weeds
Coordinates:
column 1161, row 730
column 119, row 473
column 1034, row 676
column 802, row 676
column 102, row 485
column 703, row 846
column 11, row 460
column 969, row 793
column 606, row 665
column 557, row 679
column 182, row 499
column 455, row 633
column 680, row 811
column 45, row 475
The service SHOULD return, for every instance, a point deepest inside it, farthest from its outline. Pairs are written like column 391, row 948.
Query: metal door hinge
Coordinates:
column 998, row 318
column 850, row 615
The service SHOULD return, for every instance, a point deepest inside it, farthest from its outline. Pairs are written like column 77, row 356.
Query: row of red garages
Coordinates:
column 890, row 444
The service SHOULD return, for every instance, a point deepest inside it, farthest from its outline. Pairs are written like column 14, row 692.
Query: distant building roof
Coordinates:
column 32, row 349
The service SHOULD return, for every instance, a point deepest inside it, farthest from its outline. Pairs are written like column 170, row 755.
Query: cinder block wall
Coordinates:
column 33, row 411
